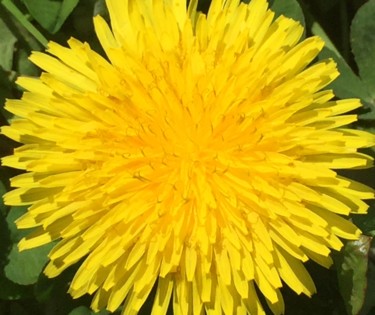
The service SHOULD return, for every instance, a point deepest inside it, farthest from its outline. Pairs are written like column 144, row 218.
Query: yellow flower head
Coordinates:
column 198, row 157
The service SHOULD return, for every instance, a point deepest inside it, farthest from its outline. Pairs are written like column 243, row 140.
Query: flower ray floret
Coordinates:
column 197, row 158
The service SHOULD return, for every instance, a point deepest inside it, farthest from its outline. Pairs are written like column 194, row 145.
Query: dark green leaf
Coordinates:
column 44, row 288
column 83, row 310
column 324, row 5
column 100, row 8
column 363, row 44
column 51, row 15
column 52, row 293
column 6, row 46
column 24, row 267
column 352, row 271
column 5, row 85
column 2, row 192
column 12, row 291
column 289, row 8
column 24, row 65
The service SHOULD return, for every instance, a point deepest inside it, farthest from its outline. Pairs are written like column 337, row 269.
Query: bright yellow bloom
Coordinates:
column 199, row 157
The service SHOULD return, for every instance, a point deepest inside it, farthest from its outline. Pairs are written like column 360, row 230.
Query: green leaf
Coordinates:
column 7, row 43
column 369, row 305
column 22, row 19
column 83, row 310
column 8, row 289
column 363, row 44
column 351, row 271
column 66, row 9
column 348, row 84
column 289, row 8
column 13, row 215
column 5, row 243
column 25, row 267
column 51, row 15
column 366, row 222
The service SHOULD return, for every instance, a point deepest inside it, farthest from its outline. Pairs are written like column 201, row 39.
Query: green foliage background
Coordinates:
column 347, row 26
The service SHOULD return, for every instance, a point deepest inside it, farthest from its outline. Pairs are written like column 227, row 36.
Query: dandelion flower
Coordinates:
column 198, row 158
